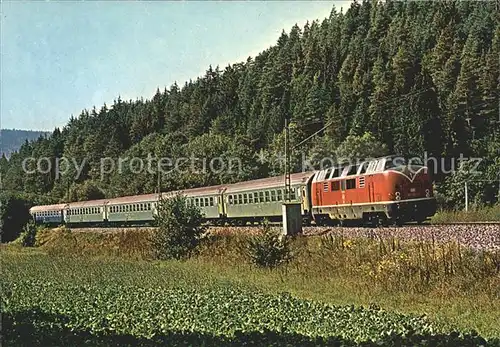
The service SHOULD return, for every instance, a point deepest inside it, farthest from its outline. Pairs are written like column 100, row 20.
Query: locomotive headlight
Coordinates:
column 398, row 196
column 427, row 193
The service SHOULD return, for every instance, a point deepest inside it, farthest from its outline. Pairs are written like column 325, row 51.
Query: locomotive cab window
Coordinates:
column 335, row 186
column 342, row 185
column 351, row 184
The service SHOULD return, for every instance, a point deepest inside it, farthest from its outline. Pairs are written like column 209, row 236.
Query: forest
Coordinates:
column 411, row 78
column 12, row 139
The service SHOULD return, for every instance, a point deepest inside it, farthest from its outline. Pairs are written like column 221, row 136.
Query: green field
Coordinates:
column 57, row 295
column 84, row 301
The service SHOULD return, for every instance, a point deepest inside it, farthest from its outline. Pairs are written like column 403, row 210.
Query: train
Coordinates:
column 380, row 191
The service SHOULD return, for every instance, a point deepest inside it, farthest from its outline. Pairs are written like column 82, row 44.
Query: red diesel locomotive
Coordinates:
column 377, row 192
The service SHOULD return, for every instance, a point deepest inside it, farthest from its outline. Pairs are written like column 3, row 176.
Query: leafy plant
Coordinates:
column 27, row 237
column 270, row 248
column 179, row 228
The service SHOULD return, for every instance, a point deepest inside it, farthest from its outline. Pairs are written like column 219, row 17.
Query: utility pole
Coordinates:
column 287, row 162
column 158, row 183
column 466, row 198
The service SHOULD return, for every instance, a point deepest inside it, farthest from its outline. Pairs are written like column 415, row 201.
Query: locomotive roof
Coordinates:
column 272, row 182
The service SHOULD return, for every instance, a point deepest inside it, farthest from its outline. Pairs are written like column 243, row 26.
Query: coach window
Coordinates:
column 250, row 198
column 279, row 194
column 351, row 184
column 267, row 195
column 230, row 199
column 335, row 186
column 273, row 195
column 207, row 202
column 211, row 199
column 292, row 194
column 342, row 184
column 245, row 198
column 261, row 196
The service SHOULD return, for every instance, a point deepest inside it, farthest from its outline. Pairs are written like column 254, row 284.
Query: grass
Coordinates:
column 455, row 287
column 483, row 214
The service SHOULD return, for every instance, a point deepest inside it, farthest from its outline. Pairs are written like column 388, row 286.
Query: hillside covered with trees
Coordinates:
column 11, row 140
column 396, row 77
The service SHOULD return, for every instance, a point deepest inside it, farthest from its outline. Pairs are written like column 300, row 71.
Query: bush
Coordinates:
column 269, row 249
column 179, row 228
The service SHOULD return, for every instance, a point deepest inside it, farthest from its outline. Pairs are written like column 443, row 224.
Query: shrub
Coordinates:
column 179, row 228
column 269, row 249
column 27, row 236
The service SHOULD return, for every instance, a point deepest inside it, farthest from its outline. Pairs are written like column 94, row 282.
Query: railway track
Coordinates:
column 479, row 236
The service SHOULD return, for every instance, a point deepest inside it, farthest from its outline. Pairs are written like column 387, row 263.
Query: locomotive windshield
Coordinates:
column 395, row 162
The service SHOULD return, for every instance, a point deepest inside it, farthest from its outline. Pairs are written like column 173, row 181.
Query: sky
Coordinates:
column 58, row 58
